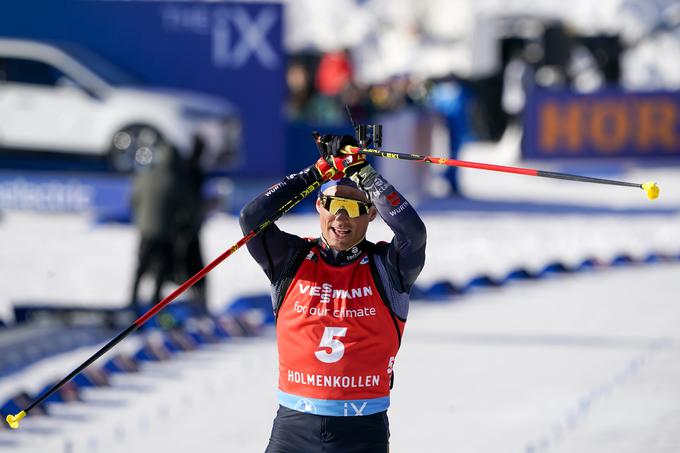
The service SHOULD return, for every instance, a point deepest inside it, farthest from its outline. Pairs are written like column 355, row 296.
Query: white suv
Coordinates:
column 63, row 98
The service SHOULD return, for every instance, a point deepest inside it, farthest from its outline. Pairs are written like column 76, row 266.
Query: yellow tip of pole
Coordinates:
column 651, row 189
column 13, row 420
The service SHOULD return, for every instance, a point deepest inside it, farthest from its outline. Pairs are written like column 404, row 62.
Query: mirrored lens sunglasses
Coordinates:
column 354, row 208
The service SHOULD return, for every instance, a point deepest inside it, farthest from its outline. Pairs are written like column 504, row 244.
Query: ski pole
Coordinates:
column 13, row 420
column 650, row 188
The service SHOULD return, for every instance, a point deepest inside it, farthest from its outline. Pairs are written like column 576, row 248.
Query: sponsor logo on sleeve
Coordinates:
column 394, row 198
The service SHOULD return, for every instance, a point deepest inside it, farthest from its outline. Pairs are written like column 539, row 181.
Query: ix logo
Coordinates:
column 358, row 411
column 235, row 34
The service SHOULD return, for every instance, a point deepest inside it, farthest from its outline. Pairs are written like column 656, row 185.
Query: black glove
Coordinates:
column 341, row 151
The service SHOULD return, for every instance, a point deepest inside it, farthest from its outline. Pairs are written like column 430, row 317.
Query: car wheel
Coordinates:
column 135, row 146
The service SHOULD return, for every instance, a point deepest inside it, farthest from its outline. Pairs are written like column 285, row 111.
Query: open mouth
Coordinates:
column 340, row 232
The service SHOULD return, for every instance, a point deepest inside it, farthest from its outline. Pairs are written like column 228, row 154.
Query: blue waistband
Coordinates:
column 339, row 408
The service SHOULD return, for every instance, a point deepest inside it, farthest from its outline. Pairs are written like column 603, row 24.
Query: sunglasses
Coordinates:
column 354, row 208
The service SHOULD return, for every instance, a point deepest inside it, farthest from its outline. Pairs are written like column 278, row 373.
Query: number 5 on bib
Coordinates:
column 335, row 345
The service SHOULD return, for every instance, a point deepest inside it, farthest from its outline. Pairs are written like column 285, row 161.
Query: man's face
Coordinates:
column 340, row 231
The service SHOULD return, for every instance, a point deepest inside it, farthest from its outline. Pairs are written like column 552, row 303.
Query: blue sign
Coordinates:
column 605, row 124
column 106, row 194
column 232, row 50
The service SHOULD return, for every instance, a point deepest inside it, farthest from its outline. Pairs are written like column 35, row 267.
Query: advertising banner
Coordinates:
column 606, row 124
column 229, row 50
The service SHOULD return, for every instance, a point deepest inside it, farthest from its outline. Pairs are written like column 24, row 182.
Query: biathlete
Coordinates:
column 340, row 302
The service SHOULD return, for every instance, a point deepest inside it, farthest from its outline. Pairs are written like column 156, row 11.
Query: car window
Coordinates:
column 31, row 72
column 105, row 69
column 3, row 71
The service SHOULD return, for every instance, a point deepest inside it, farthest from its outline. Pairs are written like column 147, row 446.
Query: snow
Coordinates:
column 64, row 260
column 583, row 362
column 579, row 362
column 549, row 363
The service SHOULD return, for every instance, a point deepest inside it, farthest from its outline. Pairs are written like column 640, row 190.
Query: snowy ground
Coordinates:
column 581, row 362
column 585, row 362
column 63, row 260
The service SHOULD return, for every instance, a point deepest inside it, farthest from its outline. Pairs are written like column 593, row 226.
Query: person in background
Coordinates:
column 155, row 197
column 168, row 210
column 190, row 215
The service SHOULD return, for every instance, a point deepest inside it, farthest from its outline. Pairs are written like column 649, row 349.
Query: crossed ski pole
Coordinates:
column 650, row 188
column 13, row 420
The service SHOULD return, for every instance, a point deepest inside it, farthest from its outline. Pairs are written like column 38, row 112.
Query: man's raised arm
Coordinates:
column 271, row 248
column 406, row 252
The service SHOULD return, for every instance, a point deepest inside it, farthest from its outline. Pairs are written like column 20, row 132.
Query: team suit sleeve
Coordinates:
column 272, row 248
column 404, row 256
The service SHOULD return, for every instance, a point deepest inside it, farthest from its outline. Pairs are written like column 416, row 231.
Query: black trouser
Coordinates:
column 300, row 432
column 189, row 261
column 155, row 256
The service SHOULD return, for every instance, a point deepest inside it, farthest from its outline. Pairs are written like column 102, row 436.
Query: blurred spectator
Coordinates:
column 334, row 73
column 519, row 78
column 155, row 197
column 168, row 212
column 323, row 102
column 320, row 86
column 190, row 215
column 327, row 110
column 450, row 98
column 299, row 88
